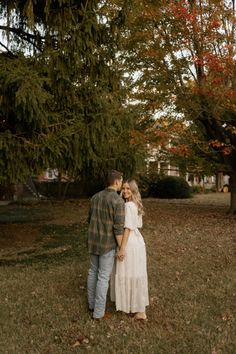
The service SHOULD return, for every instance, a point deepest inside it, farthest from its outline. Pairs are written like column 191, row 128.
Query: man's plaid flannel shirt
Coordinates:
column 106, row 221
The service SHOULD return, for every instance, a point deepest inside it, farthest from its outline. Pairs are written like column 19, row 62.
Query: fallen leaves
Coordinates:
column 190, row 254
column 226, row 316
column 80, row 341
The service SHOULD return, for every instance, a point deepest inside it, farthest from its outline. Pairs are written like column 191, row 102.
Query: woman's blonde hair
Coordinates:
column 136, row 197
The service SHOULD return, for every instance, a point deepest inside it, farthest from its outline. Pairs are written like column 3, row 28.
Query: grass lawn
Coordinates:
column 192, row 281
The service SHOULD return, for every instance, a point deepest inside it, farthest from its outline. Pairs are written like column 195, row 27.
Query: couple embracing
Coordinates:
column 117, row 249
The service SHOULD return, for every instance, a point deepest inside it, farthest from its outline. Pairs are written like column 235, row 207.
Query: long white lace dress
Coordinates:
column 129, row 283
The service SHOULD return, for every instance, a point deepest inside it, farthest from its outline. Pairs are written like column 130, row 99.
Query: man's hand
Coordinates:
column 121, row 254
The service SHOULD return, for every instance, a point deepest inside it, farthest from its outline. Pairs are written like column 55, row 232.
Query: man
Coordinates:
column 106, row 225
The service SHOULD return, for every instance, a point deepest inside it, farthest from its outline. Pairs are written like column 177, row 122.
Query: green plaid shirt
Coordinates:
column 106, row 220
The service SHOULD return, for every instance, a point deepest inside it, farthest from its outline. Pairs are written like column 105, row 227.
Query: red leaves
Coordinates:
column 182, row 150
column 230, row 93
column 226, row 149
column 214, row 24
column 181, row 11
column 192, row 15
column 217, row 80
column 198, row 61
column 214, row 62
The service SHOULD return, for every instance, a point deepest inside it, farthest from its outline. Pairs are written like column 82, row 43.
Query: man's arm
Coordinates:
column 121, row 252
column 119, row 220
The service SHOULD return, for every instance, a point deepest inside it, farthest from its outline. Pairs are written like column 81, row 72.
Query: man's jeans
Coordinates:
column 98, row 281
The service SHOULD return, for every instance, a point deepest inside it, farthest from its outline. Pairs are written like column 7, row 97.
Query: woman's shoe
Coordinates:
column 139, row 317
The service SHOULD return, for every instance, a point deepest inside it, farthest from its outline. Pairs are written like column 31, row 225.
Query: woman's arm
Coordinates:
column 121, row 252
column 119, row 240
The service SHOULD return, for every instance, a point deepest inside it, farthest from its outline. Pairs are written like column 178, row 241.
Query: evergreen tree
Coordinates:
column 61, row 90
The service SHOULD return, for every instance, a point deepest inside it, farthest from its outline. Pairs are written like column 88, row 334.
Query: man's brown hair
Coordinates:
column 112, row 176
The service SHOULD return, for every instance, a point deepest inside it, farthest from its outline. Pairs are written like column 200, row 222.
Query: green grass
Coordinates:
column 192, row 285
column 23, row 214
column 58, row 243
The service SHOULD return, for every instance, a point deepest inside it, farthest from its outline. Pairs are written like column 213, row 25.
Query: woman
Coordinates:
column 130, row 286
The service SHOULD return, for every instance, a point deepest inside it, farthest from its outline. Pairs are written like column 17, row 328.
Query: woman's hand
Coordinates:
column 121, row 251
column 121, row 254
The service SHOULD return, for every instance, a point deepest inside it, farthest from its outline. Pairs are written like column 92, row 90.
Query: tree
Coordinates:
column 61, row 91
column 184, row 52
column 180, row 146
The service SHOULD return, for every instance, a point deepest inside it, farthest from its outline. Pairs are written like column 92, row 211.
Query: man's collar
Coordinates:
column 111, row 189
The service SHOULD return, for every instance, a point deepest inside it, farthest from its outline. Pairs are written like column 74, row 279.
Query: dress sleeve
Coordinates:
column 130, row 216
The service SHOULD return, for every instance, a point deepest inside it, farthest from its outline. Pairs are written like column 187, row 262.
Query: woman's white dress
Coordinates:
column 129, row 284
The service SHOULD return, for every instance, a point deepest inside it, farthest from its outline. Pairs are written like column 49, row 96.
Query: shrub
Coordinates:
column 6, row 192
column 173, row 187
column 197, row 189
column 148, row 184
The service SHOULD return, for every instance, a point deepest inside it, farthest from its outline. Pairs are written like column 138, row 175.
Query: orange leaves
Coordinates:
column 216, row 143
column 181, row 150
column 231, row 129
column 226, row 149
column 140, row 36
column 150, row 136
column 137, row 137
column 151, row 12
column 151, row 53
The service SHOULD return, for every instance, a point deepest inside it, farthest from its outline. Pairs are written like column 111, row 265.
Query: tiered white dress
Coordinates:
column 129, row 283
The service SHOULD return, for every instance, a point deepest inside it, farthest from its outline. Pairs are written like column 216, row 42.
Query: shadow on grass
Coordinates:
column 21, row 215
column 56, row 244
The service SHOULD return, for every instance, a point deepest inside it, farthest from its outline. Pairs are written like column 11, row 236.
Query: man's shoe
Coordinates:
column 107, row 316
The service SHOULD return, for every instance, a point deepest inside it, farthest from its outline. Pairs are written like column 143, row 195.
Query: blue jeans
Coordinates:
column 98, row 281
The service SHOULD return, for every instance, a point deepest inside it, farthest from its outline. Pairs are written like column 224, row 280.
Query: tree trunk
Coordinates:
column 59, row 190
column 66, row 190
column 219, row 181
column 232, row 184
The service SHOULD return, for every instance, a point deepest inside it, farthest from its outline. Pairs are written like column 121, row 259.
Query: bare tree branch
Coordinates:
column 5, row 47
column 34, row 39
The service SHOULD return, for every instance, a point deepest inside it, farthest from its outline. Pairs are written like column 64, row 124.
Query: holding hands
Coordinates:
column 122, row 245
column 121, row 254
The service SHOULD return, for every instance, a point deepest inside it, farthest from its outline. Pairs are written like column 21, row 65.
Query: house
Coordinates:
column 161, row 166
